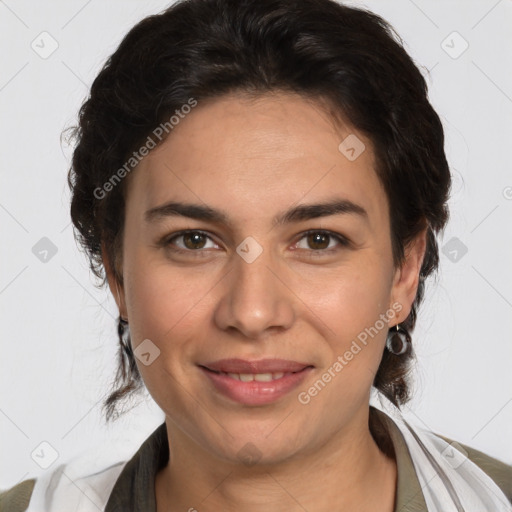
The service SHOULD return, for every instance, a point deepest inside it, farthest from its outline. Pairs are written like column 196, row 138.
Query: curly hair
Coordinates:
column 319, row 49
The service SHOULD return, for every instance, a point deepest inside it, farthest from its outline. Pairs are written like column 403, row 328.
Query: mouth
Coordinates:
column 259, row 377
column 261, row 366
column 255, row 382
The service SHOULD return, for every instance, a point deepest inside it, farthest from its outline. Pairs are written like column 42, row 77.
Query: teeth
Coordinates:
column 263, row 377
column 259, row 377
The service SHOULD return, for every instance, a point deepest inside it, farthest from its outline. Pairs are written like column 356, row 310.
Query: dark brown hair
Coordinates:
column 319, row 49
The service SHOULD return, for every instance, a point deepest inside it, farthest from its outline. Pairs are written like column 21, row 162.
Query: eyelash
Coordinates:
column 343, row 241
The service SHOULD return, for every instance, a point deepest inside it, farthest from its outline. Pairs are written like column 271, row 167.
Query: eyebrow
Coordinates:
column 296, row 214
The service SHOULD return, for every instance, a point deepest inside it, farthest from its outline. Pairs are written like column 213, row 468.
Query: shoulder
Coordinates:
column 17, row 498
column 82, row 482
column 496, row 469
column 51, row 492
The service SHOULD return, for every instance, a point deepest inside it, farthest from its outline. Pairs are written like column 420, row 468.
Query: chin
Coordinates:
column 257, row 449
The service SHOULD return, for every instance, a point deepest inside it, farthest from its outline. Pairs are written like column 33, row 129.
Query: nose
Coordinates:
column 256, row 299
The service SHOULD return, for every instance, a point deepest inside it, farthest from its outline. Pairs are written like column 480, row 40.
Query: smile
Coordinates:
column 254, row 387
column 260, row 377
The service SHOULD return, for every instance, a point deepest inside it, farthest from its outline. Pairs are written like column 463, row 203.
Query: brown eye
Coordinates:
column 194, row 240
column 191, row 241
column 322, row 241
column 318, row 240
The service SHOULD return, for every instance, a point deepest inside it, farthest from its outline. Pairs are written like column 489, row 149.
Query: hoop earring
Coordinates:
column 398, row 341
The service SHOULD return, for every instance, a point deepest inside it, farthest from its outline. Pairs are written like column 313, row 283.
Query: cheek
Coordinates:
column 349, row 306
column 157, row 299
column 348, row 300
column 164, row 307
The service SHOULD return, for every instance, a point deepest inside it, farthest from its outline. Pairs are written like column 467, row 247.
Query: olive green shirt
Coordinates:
column 134, row 489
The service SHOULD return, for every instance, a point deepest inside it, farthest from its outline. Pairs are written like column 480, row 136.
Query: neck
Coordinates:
column 348, row 472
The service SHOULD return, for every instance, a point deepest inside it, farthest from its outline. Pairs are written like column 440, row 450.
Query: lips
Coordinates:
column 242, row 366
column 255, row 383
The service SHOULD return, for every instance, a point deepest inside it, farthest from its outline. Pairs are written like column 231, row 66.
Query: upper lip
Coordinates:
column 260, row 366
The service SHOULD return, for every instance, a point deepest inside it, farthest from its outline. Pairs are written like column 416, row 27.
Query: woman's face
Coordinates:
column 249, row 284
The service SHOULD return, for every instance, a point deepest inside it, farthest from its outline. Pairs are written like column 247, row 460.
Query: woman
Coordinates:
column 261, row 184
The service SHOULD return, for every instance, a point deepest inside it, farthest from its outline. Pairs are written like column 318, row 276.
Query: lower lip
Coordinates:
column 254, row 392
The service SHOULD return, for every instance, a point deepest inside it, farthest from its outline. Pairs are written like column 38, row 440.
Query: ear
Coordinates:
column 116, row 288
column 406, row 279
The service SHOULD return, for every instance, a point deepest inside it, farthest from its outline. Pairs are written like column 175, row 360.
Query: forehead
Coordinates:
column 258, row 154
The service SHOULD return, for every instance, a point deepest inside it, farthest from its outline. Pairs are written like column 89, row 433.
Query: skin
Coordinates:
column 254, row 159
